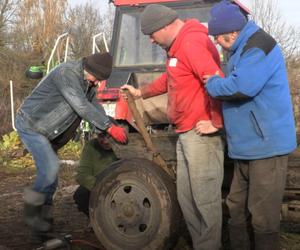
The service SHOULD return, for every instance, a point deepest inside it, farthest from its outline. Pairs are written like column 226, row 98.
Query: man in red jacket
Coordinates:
column 190, row 56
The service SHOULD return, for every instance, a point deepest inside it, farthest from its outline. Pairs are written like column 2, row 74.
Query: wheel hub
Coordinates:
column 130, row 209
column 129, row 213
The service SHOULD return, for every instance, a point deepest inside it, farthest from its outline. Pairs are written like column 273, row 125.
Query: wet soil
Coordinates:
column 15, row 235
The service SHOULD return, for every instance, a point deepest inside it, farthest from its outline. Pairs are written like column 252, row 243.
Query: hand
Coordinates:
column 118, row 134
column 205, row 127
column 206, row 77
column 136, row 93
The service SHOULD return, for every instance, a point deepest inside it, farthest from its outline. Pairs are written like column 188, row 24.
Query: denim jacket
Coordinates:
column 59, row 99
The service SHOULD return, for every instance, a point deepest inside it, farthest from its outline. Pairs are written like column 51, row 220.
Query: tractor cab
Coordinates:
column 137, row 61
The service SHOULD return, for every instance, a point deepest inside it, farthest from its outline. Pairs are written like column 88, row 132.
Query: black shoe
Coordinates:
column 46, row 214
column 32, row 217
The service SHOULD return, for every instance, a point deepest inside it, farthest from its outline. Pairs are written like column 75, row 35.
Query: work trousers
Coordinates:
column 199, row 180
column 256, row 194
column 82, row 199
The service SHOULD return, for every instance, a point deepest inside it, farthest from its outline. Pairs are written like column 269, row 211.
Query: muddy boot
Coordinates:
column 46, row 214
column 32, row 211
column 267, row 241
column 239, row 238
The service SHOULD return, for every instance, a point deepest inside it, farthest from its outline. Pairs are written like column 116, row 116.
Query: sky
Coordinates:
column 290, row 9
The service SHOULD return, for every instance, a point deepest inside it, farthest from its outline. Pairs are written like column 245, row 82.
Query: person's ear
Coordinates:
column 234, row 35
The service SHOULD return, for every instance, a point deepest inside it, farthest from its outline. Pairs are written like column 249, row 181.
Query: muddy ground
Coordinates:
column 15, row 235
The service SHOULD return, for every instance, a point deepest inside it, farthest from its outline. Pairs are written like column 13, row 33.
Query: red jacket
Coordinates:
column 191, row 56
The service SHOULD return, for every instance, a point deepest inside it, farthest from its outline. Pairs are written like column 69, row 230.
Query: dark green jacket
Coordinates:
column 93, row 160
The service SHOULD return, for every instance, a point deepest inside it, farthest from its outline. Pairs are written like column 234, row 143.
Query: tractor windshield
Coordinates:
column 132, row 48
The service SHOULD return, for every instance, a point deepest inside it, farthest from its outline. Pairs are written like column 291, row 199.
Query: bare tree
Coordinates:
column 7, row 56
column 108, row 19
column 268, row 16
column 38, row 24
column 7, row 10
column 266, row 13
column 85, row 21
column 28, row 31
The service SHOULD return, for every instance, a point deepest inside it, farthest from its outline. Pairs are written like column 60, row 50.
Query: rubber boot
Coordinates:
column 46, row 214
column 239, row 238
column 32, row 211
column 267, row 241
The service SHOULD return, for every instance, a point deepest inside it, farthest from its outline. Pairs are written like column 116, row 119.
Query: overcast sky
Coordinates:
column 290, row 9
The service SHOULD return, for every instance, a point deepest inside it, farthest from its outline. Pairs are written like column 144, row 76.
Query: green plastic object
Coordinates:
column 35, row 72
column 35, row 69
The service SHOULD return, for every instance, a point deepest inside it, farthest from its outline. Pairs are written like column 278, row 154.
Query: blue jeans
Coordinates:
column 45, row 158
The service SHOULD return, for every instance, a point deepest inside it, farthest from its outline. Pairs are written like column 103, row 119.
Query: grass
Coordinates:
column 14, row 157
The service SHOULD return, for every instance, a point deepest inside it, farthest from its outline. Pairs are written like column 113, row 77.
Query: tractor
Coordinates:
column 134, row 203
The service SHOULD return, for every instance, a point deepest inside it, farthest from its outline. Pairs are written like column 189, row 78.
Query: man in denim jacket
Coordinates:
column 48, row 119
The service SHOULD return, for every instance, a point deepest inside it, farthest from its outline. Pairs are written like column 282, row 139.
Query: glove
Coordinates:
column 118, row 134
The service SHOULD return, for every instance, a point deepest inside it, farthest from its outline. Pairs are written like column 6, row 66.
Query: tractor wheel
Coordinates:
column 134, row 206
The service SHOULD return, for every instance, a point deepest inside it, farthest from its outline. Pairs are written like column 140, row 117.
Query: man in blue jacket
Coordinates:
column 48, row 119
column 259, row 125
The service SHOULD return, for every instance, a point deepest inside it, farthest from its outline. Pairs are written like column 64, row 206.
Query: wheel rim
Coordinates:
column 132, row 212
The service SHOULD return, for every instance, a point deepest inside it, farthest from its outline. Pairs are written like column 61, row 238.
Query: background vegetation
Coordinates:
column 28, row 31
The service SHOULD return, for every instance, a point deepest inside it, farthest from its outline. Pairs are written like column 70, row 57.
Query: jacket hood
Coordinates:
column 190, row 26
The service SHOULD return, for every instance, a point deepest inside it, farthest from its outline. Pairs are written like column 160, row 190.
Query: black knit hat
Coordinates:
column 156, row 17
column 99, row 65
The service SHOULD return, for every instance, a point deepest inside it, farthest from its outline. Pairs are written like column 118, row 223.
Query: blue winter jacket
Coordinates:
column 257, row 106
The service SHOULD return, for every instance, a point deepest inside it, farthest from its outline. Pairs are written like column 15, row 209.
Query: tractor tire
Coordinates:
column 134, row 206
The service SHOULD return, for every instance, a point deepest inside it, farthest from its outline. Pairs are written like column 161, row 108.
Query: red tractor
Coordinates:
column 134, row 203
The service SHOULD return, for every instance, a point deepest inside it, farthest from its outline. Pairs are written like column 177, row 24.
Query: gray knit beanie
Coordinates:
column 155, row 17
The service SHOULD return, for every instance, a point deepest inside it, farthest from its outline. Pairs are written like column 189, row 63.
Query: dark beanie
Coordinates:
column 225, row 18
column 99, row 65
column 155, row 17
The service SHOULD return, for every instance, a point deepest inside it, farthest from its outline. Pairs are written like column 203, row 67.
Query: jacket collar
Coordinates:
column 249, row 29
column 83, row 80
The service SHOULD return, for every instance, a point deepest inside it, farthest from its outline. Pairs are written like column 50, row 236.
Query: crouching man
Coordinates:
column 96, row 156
